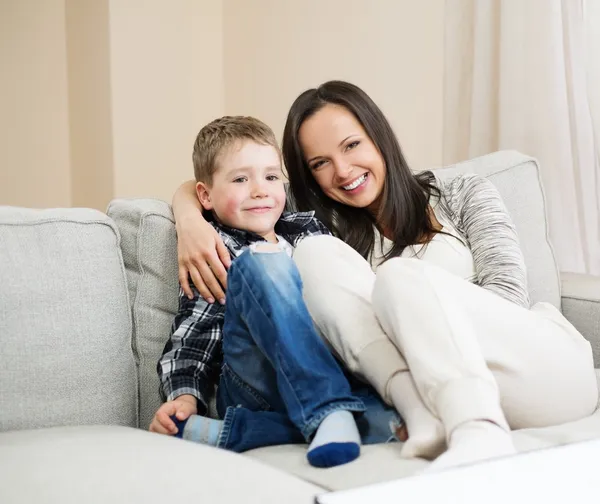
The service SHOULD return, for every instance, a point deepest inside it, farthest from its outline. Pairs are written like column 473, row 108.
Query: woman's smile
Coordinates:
column 357, row 184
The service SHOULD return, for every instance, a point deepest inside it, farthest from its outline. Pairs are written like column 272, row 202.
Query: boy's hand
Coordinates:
column 182, row 407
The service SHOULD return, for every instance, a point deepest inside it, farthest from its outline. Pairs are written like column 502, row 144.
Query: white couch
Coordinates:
column 86, row 304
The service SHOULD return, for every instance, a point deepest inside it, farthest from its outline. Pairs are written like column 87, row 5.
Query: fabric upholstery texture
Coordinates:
column 65, row 327
column 517, row 178
column 103, row 464
column 149, row 248
column 581, row 306
column 379, row 463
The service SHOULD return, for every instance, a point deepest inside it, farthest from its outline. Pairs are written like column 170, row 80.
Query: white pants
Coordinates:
column 472, row 354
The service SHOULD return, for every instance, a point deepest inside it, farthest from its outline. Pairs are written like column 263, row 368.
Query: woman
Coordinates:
column 426, row 276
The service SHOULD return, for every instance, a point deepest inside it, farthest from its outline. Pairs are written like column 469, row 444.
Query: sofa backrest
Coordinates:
column 65, row 323
column 149, row 246
column 517, row 178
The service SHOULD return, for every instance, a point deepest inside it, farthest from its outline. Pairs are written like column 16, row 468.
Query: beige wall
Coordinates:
column 393, row 49
column 167, row 81
column 90, row 103
column 115, row 90
column 34, row 136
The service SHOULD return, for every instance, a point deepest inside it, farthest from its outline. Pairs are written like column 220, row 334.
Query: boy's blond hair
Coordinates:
column 220, row 135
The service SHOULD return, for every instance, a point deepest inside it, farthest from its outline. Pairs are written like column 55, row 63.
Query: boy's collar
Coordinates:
column 239, row 234
column 290, row 224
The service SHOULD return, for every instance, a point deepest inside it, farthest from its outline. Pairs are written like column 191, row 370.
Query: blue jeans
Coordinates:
column 279, row 380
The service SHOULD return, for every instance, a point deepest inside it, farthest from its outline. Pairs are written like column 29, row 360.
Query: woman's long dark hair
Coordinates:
column 404, row 202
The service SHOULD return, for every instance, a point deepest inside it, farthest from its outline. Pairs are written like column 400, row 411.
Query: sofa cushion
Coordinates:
column 65, row 324
column 118, row 464
column 382, row 462
column 517, row 178
column 149, row 246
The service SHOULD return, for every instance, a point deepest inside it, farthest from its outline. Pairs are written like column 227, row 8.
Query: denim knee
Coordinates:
column 262, row 261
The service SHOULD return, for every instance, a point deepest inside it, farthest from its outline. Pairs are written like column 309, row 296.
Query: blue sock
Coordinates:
column 336, row 442
column 199, row 429
column 180, row 424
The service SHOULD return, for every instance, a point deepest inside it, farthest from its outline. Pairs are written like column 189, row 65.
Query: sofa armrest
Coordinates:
column 581, row 306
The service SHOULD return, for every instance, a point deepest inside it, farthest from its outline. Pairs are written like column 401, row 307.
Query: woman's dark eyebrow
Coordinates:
column 339, row 145
column 350, row 136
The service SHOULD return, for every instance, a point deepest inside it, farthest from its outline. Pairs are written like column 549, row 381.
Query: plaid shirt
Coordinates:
column 192, row 358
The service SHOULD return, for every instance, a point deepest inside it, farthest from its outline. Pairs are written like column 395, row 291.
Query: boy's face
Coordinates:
column 247, row 189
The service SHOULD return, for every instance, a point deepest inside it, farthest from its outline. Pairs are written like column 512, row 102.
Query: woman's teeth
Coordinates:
column 355, row 184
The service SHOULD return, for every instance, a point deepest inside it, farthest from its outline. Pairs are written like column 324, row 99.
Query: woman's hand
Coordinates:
column 202, row 255
column 402, row 433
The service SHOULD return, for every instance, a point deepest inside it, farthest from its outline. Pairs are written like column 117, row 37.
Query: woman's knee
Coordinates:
column 398, row 275
column 326, row 257
column 400, row 266
column 315, row 248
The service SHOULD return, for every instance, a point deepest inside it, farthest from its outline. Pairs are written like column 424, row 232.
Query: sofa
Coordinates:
column 86, row 304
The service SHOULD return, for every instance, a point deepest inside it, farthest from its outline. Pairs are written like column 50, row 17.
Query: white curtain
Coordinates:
column 525, row 75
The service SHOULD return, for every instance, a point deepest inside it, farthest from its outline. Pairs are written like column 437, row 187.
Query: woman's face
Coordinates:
column 342, row 158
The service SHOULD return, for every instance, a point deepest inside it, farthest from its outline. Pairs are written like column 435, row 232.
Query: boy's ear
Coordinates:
column 203, row 193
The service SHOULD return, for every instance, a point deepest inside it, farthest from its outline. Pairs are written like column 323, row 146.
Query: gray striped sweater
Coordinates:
column 475, row 207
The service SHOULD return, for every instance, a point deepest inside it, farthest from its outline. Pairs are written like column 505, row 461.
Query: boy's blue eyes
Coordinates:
column 270, row 178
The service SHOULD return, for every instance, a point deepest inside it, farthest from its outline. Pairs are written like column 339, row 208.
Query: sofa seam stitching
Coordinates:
column 579, row 298
column 139, row 263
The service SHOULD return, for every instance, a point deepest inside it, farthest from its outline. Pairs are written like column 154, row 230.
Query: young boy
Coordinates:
column 278, row 382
